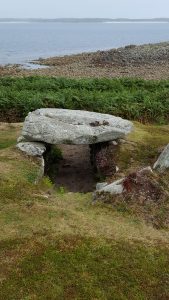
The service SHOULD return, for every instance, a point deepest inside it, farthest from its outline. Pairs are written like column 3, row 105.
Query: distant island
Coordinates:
column 83, row 20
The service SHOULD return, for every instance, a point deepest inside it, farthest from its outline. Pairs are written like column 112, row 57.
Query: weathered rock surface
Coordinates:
column 113, row 188
column 32, row 148
column 163, row 161
column 41, row 169
column 124, row 184
column 62, row 126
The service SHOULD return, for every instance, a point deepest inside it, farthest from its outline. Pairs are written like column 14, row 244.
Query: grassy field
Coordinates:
column 58, row 245
column 134, row 99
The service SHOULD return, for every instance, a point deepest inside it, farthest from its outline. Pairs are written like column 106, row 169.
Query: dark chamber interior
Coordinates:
column 74, row 171
column 77, row 168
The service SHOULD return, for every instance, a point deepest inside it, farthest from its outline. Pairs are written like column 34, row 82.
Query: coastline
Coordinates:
column 83, row 20
column 150, row 61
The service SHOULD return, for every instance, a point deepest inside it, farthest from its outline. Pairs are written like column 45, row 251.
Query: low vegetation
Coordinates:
column 134, row 99
column 57, row 245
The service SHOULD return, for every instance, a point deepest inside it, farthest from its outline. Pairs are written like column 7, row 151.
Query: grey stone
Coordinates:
column 62, row 126
column 100, row 185
column 41, row 169
column 114, row 188
column 163, row 161
column 114, row 143
column 32, row 148
column 21, row 139
column 146, row 170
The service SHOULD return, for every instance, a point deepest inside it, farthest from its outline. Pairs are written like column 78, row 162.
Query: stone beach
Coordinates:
column 150, row 61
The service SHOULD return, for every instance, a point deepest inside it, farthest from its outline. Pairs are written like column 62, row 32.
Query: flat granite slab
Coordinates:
column 64, row 126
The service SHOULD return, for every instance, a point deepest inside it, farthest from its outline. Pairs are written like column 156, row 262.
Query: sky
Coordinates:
column 84, row 8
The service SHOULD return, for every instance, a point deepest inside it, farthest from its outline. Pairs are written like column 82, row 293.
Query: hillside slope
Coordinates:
column 57, row 245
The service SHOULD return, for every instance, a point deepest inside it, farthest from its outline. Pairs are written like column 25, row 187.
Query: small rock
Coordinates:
column 100, row 185
column 114, row 188
column 117, row 169
column 114, row 143
column 146, row 170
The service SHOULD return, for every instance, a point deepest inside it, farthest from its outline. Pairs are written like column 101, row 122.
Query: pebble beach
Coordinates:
column 150, row 61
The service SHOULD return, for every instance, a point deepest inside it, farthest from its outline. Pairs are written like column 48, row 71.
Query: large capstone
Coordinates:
column 63, row 126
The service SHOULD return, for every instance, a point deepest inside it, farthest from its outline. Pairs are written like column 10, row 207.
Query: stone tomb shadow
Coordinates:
column 73, row 170
column 77, row 168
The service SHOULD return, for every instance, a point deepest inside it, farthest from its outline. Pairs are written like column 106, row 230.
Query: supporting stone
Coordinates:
column 163, row 161
column 32, row 148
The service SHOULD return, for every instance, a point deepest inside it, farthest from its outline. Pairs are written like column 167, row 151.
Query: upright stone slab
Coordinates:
column 63, row 126
column 163, row 161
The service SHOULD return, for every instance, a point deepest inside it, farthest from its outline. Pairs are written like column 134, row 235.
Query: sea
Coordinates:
column 23, row 42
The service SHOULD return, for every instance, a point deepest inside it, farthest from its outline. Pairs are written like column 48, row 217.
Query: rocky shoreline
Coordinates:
column 149, row 61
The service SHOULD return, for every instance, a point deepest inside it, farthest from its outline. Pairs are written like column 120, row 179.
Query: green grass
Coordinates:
column 135, row 99
column 10, row 139
column 57, row 245
column 73, row 267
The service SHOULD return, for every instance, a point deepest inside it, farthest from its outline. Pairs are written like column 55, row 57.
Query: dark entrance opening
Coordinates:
column 77, row 168
column 73, row 171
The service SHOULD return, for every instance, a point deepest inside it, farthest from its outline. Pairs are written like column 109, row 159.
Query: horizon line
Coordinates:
column 88, row 18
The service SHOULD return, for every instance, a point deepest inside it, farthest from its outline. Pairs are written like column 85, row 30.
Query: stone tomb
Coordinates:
column 46, row 127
